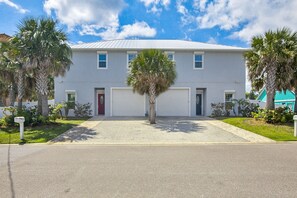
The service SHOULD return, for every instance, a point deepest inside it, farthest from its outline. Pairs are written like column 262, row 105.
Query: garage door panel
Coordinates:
column 174, row 102
column 127, row 103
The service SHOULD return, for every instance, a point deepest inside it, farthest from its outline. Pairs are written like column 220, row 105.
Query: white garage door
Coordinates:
column 173, row 102
column 126, row 103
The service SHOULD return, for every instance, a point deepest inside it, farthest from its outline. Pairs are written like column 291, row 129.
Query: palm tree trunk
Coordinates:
column 11, row 95
column 42, row 88
column 270, row 100
column 152, row 100
column 20, row 104
column 21, row 88
column 39, row 104
column 270, row 87
column 45, row 109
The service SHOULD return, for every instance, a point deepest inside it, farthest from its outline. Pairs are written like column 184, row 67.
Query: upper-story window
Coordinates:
column 130, row 57
column 102, row 60
column 198, row 60
column 170, row 55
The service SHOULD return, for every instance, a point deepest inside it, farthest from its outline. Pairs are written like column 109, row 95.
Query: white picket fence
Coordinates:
column 2, row 112
column 263, row 104
column 26, row 104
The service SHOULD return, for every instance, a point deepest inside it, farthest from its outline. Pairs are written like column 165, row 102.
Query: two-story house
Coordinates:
column 206, row 73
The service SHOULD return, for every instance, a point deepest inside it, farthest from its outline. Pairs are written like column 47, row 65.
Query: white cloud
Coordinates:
column 77, row 12
column 138, row 29
column 212, row 40
column 96, row 17
column 248, row 18
column 186, row 17
column 199, row 4
column 181, row 8
column 13, row 5
column 148, row 3
column 155, row 6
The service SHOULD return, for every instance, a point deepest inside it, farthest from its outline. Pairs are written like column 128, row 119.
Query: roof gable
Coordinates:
column 279, row 96
column 4, row 38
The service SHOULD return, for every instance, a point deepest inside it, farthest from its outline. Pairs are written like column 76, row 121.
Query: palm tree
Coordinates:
column 152, row 73
column 7, row 73
column 269, row 60
column 44, row 50
column 13, row 69
column 290, row 81
column 15, row 62
column 287, row 72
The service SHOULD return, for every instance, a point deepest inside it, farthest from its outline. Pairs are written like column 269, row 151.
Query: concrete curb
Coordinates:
column 158, row 143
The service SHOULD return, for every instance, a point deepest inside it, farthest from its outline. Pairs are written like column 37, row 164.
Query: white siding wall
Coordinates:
column 222, row 71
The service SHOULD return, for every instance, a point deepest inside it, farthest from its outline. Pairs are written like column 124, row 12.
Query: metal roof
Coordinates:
column 153, row 44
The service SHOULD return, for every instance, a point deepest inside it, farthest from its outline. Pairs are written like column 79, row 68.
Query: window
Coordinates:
column 70, row 98
column 130, row 57
column 229, row 96
column 290, row 106
column 102, row 60
column 198, row 60
column 170, row 55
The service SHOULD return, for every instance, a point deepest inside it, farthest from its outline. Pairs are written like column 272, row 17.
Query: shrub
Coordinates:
column 217, row 109
column 245, row 108
column 222, row 109
column 279, row 115
column 7, row 120
column 229, row 106
column 42, row 119
column 32, row 118
column 82, row 110
column 67, row 106
column 12, row 112
column 1, row 122
column 27, row 114
column 239, row 107
column 56, row 112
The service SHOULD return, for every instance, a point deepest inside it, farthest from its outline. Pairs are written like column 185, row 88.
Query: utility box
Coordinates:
column 21, row 121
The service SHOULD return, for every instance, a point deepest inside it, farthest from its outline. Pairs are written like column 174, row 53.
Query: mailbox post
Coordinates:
column 295, row 125
column 21, row 121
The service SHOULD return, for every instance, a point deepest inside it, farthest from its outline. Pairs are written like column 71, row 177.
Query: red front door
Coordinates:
column 101, row 106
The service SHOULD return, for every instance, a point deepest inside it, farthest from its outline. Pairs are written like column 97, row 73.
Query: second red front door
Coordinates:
column 101, row 105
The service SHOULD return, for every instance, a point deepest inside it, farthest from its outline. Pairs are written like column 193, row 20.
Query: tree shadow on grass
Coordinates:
column 178, row 125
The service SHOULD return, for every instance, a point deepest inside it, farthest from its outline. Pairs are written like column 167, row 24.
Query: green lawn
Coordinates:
column 278, row 132
column 38, row 134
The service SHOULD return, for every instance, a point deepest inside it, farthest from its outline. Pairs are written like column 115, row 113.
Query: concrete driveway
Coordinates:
column 168, row 130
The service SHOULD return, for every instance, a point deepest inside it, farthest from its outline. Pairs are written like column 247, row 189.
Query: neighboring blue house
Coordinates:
column 280, row 99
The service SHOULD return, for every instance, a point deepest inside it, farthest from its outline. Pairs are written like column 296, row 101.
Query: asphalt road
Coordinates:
column 225, row 170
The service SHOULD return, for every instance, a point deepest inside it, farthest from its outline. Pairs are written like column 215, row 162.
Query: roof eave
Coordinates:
column 173, row 49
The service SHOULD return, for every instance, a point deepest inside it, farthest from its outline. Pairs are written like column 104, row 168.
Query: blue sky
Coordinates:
column 228, row 22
